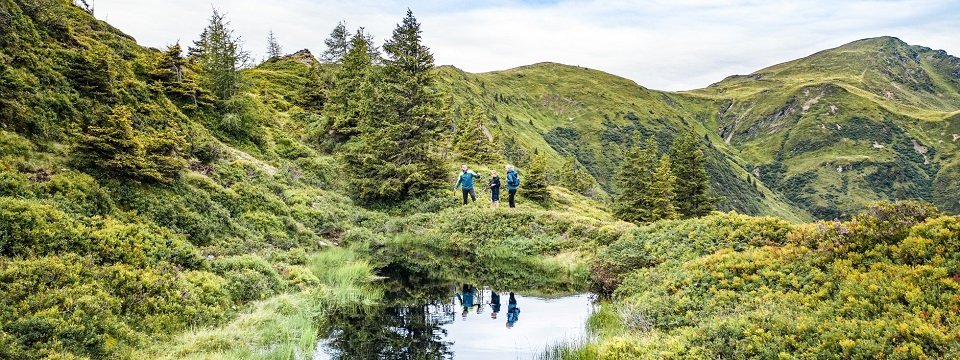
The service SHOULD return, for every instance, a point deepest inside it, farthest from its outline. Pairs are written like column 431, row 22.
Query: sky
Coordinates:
column 660, row 44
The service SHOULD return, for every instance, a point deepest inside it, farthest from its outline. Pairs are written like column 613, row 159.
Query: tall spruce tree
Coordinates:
column 536, row 180
column 351, row 98
column 396, row 151
column 273, row 46
column 693, row 182
column 632, row 201
column 337, row 44
column 661, row 192
column 220, row 57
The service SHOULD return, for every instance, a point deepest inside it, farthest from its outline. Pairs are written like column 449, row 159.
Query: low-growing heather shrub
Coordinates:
column 248, row 277
column 679, row 240
column 882, row 285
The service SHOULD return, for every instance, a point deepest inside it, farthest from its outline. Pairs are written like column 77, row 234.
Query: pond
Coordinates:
column 443, row 328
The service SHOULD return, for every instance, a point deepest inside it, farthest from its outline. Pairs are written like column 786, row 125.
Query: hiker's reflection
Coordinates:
column 513, row 312
column 494, row 304
column 466, row 297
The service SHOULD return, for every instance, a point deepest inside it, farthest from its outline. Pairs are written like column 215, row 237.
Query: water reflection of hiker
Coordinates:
column 466, row 299
column 513, row 182
column 513, row 312
column 494, row 304
column 465, row 183
column 494, row 186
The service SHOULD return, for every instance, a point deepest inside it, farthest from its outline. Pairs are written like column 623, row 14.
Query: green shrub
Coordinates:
column 680, row 240
column 77, row 193
column 13, row 145
column 15, row 184
column 882, row 285
column 243, row 118
column 248, row 277
column 53, row 303
column 30, row 229
column 299, row 277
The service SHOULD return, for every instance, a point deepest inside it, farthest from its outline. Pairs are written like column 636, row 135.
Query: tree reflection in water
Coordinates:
column 408, row 325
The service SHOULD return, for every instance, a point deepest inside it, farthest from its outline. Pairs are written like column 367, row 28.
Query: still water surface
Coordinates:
column 440, row 329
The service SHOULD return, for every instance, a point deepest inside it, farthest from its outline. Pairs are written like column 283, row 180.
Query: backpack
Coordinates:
column 513, row 179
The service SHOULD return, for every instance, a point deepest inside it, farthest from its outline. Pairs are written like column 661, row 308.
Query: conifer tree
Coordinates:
column 661, row 192
column 471, row 142
column 113, row 148
column 632, row 201
column 373, row 51
column 220, row 57
column 535, row 180
column 573, row 176
column 693, row 182
column 179, row 82
column 273, row 46
column 352, row 96
column 396, row 152
column 514, row 152
column 337, row 44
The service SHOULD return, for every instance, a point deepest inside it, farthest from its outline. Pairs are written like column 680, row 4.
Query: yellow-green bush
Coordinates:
column 679, row 240
column 883, row 285
column 248, row 277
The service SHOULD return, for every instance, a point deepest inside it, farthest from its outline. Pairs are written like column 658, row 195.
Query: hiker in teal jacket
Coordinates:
column 513, row 182
column 465, row 183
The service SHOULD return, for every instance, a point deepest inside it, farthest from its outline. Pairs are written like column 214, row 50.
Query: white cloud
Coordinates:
column 661, row 44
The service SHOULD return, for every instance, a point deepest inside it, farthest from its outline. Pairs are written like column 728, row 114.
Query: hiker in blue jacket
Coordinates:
column 467, row 294
column 465, row 183
column 513, row 182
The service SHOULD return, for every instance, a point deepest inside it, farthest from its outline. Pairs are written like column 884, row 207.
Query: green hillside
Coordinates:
column 594, row 116
column 145, row 214
column 823, row 134
column 871, row 120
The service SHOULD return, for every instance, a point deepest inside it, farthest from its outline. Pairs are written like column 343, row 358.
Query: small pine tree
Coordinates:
column 273, row 47
column 113, row 148
column 661, row 191
column 693, row 182
column 220, row 57
column 172, row 71
column 535, row 180
column 337, row 44
column 632, row 201
column 573, row 176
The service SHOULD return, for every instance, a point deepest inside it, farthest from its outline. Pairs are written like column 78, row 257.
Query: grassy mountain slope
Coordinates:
column 594, row 116
column 871, row 120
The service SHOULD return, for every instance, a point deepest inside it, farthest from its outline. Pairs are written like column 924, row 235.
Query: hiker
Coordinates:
column 513, row 312
column 513, row 182
column 465, row 183
column 466, row 299
column 494, row 186
column 494, row 304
